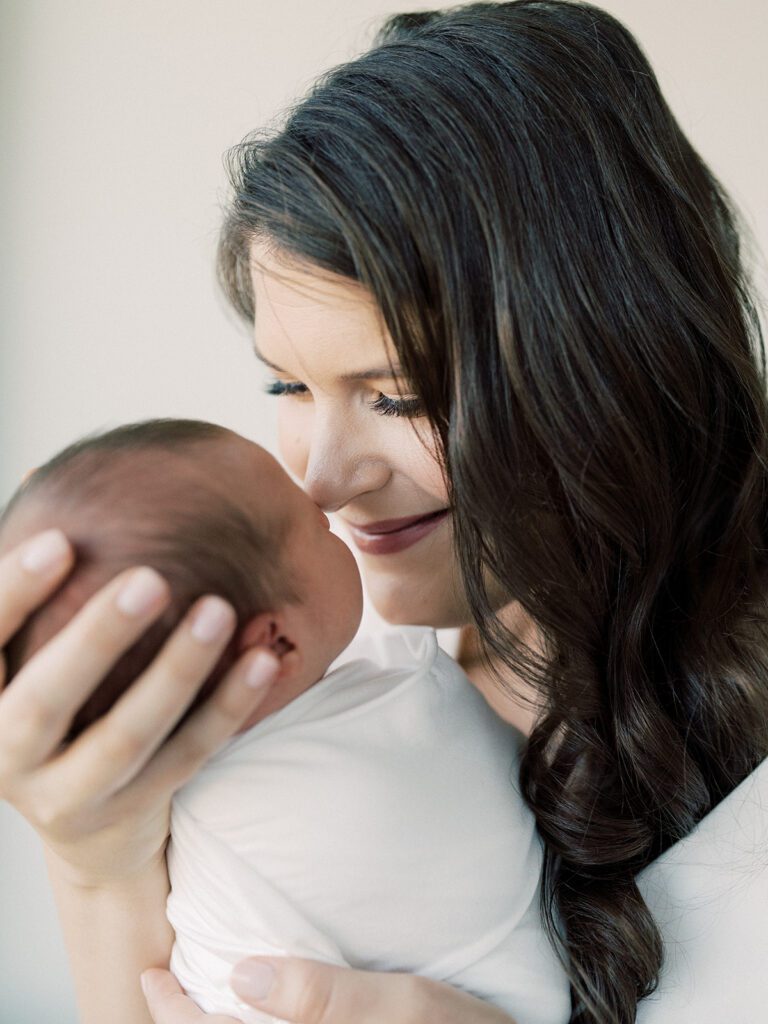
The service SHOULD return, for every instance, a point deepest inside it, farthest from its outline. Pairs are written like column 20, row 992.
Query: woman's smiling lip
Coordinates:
column 391, row 535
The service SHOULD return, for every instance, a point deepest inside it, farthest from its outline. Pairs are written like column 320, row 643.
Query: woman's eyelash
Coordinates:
column 387, row 406
column 384, row 405
column 283, row 387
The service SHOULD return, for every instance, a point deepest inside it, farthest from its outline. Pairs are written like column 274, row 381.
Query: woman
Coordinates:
column 502, row 294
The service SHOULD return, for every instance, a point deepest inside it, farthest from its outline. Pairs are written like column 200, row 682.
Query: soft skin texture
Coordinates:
column 316, row 332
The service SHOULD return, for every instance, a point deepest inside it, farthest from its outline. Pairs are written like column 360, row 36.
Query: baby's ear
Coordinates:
column 268, row 629
column 259, row 631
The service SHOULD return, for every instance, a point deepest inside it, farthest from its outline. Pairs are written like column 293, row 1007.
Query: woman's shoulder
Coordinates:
column 709, row 895
column 733, row 835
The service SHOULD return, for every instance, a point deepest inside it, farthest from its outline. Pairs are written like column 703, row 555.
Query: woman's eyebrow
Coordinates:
column 263, row 359
column 375, row 373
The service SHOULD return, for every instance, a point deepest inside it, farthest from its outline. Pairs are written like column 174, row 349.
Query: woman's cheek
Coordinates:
column 420, row 460
column 294, row 424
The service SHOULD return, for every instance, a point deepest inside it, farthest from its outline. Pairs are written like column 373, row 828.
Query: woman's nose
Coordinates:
column 341, row 466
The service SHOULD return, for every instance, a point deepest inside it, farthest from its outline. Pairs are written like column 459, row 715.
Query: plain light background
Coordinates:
column 113, row 119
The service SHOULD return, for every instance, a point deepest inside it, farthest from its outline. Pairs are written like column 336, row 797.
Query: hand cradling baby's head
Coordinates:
column 198, row 503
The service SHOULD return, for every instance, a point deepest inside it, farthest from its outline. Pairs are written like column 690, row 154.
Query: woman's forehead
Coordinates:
column 292, row 283
column 312, row 323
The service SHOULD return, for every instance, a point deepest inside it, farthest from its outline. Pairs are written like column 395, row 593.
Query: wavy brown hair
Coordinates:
column 561, row 276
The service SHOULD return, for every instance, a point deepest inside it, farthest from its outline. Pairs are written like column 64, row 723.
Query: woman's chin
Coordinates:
column 435, row 602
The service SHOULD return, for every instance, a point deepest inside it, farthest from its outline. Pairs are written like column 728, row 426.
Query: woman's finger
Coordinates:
column 116, row 747
column 29, row 573
column 168, row 1004
column 237, row 696
column 308, row 992
column 45, row 695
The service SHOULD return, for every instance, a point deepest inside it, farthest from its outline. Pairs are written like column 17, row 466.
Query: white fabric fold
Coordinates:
column 375, row 822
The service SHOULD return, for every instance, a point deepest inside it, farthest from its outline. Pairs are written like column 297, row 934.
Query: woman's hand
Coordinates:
column 307, row 992
column 102, row 804
column 168, row 1004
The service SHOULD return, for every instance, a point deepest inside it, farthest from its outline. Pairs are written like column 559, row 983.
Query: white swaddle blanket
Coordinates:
column 375, row 822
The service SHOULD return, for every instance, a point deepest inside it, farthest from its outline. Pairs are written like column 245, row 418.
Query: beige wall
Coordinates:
column 114, row 117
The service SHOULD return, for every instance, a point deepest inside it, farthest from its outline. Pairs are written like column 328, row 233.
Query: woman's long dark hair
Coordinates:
column 561, row 276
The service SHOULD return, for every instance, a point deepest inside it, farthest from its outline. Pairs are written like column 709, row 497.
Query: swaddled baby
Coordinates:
column 368, row 814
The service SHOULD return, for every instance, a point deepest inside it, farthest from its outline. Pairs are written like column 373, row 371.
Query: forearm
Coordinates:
column 112, row 934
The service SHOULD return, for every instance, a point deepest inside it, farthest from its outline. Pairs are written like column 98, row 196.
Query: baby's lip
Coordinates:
column 384, row 526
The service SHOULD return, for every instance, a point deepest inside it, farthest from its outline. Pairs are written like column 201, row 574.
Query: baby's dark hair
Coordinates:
column 138, row 495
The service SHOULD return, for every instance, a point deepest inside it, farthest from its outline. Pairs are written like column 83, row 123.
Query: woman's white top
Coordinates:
column 376, row 822
column 709, row 895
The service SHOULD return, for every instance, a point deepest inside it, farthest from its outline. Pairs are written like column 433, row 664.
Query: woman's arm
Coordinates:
column 102, row 804
column 113, row 933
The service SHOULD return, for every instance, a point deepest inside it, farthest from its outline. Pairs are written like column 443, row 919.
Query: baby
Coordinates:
column 368, row 814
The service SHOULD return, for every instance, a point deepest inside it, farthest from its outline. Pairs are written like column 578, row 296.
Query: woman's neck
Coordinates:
column 511, row 697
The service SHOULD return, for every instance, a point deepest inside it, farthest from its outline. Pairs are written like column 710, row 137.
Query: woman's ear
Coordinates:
column 272, row 630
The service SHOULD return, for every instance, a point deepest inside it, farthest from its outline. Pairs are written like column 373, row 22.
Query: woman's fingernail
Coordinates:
column 212, row 620
column 45, row 552
column 144, row 982
column 252, row 979
column 260, row 670
column 143, row 589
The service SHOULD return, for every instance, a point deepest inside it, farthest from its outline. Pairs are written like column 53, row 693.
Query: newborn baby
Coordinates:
column 368, row 814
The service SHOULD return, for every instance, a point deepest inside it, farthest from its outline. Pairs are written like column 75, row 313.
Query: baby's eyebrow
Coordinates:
column 375, row 373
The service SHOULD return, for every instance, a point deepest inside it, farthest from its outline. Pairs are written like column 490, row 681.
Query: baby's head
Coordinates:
column 214, row 514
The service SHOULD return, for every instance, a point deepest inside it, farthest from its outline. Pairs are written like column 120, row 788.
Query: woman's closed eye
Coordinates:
column 384, row 405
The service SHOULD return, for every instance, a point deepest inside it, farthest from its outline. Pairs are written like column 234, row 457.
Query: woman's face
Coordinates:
column 351, row 432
